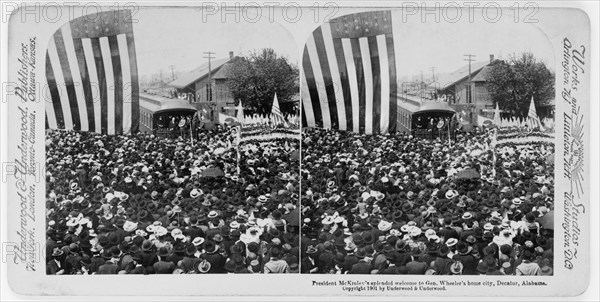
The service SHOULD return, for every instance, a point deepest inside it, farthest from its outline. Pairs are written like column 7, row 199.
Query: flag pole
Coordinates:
column 449, row 142
column 191, row 132
column 237, row 148
column 449, row 138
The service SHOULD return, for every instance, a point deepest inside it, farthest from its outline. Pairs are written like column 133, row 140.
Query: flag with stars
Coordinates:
column 349, row 74
column 92, row 75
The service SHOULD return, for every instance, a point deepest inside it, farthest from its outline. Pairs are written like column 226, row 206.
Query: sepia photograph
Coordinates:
column 171, row 154
column 427, row 148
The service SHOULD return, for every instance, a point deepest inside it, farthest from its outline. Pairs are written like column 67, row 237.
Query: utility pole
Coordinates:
column 209, row 55
column 421, row 87
column 161, row 82
column 172, row 72
column 433, row 73
column 470, row 58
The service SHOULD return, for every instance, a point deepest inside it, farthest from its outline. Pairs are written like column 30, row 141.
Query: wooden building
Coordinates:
column 206, row 88
column 469, row 99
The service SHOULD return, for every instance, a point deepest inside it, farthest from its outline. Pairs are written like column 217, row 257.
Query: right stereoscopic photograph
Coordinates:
column 427, row 147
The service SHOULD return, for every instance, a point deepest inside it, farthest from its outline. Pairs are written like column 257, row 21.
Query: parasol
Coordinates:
column 295, row 155
column 469, row 173
column 293, row 217
column 212, row 172
column 547, row 221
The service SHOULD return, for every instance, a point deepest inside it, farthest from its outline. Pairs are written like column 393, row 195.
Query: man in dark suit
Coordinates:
column 465, row 257
column 447, row 231
column 178, row 252
column 147, row 255
column 416, row 266
column 392, row 269
column 96, row 261
column 309, row 263
column 163, row 266
column 138, row 269
column 109, row 267
column 326, row 258
column 361, row 267
column 55, row 266
column 194, row 229
column 350, row 259
column 216, row 260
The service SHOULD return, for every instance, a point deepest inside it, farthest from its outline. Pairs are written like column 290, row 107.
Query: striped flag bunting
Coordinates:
column 349, row 75
column 516, row 136
column 92, row 75
column 267, row 133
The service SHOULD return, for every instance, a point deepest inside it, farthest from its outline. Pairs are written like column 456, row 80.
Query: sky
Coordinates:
column 168, row 36
column 422, row 45
column 179, row 36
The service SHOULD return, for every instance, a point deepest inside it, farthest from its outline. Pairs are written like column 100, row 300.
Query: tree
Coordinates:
column 512, row 83
column 255, row 80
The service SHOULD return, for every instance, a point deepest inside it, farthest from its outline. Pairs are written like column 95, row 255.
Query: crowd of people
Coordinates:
column 143, row 204
column 370, row 204
column 398, row 204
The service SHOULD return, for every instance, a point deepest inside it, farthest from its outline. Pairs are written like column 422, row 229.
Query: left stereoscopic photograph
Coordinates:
column 172, row 144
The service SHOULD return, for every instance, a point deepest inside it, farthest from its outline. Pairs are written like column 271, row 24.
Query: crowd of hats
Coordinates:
column 397, row 204
column 142, row 204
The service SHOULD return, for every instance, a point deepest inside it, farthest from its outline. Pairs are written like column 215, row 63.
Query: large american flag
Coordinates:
column 92, row 75
column 349, row 74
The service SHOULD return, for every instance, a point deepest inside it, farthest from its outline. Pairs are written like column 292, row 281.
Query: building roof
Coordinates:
column 425, row 106
column 188, row 78
column 480, row 76
column 435, row 106
column 223, row 72
column 448, row 79
column 157, row 103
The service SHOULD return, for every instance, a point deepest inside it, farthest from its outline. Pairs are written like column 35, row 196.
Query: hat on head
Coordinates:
column 451, row 242
column 210, row 247
column 57, row 252
column 130, row 226
column 197, row 241
column 456, row 268
column 546, row 271
column 350, row 246
column 204, row 266
column 482, row 267
column 163, row 252
column 467, row 216
column 451, row 194
column 311, row 250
